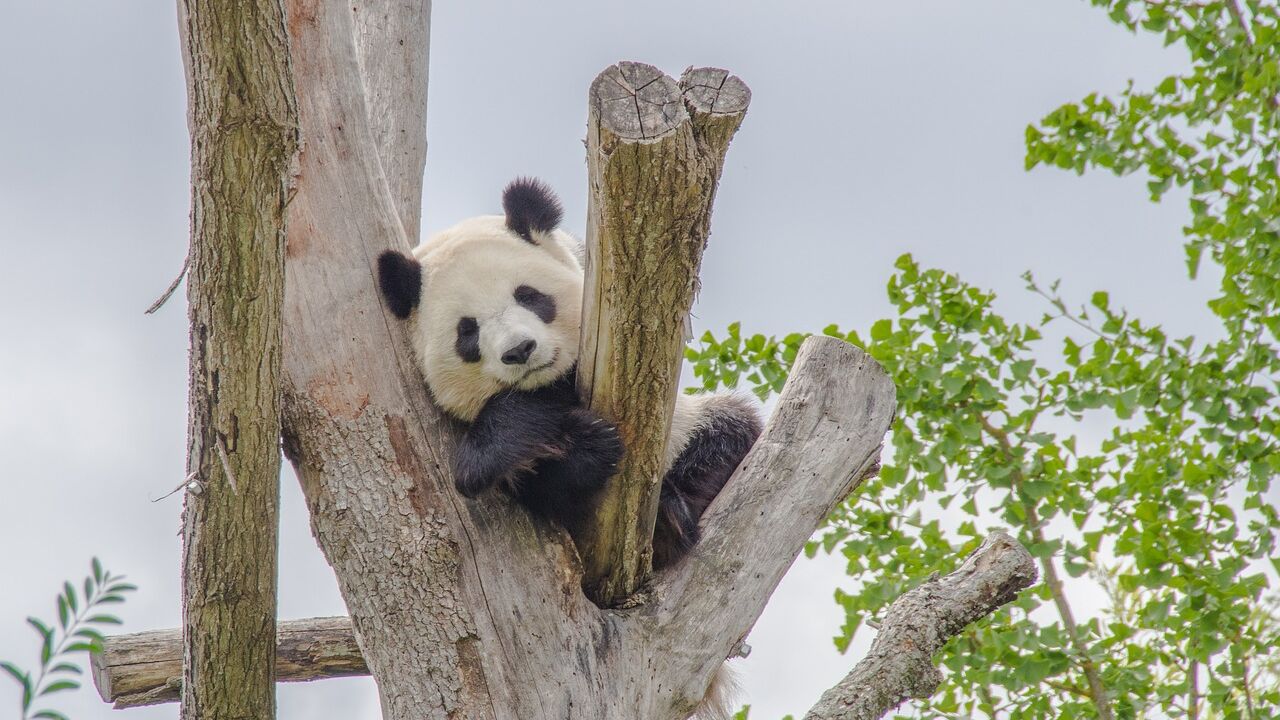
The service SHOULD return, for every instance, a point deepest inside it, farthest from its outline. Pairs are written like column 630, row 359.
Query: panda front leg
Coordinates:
column 566, row 487
column 510, row 436
column 710, row 435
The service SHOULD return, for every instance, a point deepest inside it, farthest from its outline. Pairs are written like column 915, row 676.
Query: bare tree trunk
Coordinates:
column 243, row 123
column 653, row 166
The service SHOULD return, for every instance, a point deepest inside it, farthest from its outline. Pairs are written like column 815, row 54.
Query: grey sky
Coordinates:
column 875, row 129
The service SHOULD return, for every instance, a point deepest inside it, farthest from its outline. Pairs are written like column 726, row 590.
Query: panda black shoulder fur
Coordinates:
column 494, row 306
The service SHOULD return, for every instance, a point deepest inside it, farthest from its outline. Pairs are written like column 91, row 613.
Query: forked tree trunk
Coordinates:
column 655, row 149
column 244, row 141
column 469, row 608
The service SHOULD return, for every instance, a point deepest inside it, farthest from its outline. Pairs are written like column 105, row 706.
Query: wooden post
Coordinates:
column 655, row 149
column 244, row 141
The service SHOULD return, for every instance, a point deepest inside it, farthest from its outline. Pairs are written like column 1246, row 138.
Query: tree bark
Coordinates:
column 243, row 123
column 917, row 625
column 146, row 668
column 655, row 149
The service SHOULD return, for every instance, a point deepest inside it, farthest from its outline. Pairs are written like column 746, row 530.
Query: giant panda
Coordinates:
column 493, row 306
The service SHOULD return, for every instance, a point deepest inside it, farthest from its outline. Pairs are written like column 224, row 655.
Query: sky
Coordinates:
column 875, row 129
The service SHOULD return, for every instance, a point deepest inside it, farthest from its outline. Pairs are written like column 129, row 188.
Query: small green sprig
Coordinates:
column 77, row 618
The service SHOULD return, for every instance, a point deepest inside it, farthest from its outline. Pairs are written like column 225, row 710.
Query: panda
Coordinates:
column 493, row 306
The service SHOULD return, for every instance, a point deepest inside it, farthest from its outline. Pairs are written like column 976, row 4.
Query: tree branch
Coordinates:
column 918, row 624
column 823, row 439
column 655, row 149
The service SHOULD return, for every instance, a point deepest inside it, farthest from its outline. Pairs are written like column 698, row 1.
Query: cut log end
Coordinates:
column 714, row 91
column 635, row 101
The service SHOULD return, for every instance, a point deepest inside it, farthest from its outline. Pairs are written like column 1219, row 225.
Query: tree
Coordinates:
column 471, row 609
column 1171, row 511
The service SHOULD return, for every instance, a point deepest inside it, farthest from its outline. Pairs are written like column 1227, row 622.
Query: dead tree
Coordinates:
column 471, row 609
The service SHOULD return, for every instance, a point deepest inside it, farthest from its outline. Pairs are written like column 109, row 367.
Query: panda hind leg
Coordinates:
column 719, row 431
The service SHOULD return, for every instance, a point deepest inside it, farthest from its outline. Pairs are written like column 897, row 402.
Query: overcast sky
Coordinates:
column 876, row 128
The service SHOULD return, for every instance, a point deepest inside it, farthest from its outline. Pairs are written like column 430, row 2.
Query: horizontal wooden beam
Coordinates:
column 146, row 668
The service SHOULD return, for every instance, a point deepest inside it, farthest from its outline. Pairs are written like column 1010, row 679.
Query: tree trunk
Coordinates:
column 243, row 123
column 652, row 166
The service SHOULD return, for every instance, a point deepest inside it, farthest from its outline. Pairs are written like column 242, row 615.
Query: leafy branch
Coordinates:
column 78, row 618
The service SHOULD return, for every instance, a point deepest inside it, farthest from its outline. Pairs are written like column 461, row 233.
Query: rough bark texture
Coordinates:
column 146, row 668
column 655, row 149
column 244, row 140
column 918, row 624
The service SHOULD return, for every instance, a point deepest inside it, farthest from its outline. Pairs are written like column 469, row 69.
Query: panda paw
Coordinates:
column 596, row 448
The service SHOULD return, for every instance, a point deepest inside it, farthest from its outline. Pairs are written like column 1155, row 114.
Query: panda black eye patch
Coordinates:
column 538, row 303
column 468, row 343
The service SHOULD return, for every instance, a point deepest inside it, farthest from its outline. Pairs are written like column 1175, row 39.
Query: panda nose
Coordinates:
column 519, row 354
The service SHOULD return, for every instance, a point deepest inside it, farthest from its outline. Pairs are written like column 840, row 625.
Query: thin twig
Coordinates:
column 190, row 482
column 226, row 465
column 173, row 287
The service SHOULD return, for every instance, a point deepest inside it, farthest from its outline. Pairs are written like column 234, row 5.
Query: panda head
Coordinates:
column 493, row 303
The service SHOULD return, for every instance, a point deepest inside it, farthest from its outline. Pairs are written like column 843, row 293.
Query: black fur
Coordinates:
column 467, row 345
column 540, row 445
column 697, row 476
column 539, row 303
column 554, row 457
column 400, row 279
column 531, row 207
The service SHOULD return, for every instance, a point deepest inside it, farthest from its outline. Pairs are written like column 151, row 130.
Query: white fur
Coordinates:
column 718, row 703
column 472, row 269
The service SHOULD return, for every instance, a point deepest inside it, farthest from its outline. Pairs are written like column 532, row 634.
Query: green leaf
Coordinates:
column 70, row 594
column 59, row 686
column 43, row 630
column 17, row 674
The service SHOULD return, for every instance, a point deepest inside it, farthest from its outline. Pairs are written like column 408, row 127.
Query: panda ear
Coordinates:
column 531, row 207
column 400, row 279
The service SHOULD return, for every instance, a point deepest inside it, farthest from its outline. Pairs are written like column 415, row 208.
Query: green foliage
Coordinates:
column 1176, row 492
column 79, row 616
column 1169, row 511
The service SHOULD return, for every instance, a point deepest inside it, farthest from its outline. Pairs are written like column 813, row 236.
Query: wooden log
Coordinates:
column 917, row 625
column 655, row 149
column 244, row 144
column 146, row 668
